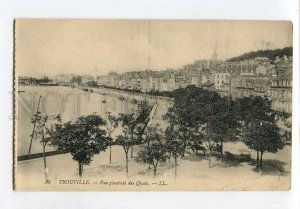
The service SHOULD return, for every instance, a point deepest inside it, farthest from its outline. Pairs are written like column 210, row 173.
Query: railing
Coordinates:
column 38, row 155
column 134, row 94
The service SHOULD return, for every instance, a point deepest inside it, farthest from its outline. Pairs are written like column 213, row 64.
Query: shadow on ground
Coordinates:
column 271, row 167
column 232, row 160
column 195, row 157
column 100, row 170
column 161, row 170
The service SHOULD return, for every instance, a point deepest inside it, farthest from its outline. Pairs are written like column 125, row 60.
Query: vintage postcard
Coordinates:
column 152, row 105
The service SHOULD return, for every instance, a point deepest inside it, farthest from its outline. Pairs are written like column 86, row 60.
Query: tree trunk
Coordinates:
column 44, row 158
column 155, row 167
column 154, row 170
column 131, row 152
column 109, row 154
column 31, row 140
column 209, row 146
column 34, row 126
column 183, row 153
column 257, row 159
column 126, row 153
column 261, row 156
column 209, row 159
column 79, row 169
column 175, row 158
column 221, row 148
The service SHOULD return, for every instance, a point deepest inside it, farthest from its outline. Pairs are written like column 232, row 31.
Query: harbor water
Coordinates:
column 70, row 103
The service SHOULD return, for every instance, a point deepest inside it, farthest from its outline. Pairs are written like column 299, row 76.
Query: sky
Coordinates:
column 96, row 47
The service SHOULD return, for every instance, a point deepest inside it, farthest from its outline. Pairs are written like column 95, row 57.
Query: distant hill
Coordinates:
column 271, row 54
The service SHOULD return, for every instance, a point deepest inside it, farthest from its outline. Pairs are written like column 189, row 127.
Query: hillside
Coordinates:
column 271, row 54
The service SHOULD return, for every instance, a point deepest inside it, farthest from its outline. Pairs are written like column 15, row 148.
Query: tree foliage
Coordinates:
column 111, row 125
column 254, row 109
column 44, row 125
column 271, row 54
column 43, row 129
column 153, row 150
column 129, row 124
column 263, row 137
column 194, row 108
column 82, row 139
column 130, row 133
column 225, row 125
column 174, row 142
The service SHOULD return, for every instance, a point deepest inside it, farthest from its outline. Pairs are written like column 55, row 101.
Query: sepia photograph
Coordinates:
column 152, row 105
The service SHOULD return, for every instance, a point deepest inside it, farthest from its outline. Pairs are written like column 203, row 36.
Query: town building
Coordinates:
column 25, row 80
column 194, row 80
column 281, row 96
column 63, row 79
column 154, row 83
column 221, row 79
column 145, row 84
column 262, row 60
column 85, row 79
column 244, row 85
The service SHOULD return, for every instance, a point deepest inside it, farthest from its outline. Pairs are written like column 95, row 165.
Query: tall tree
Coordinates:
column 254, row 110
column 197, row 110
column 82, row 139
column 263, row 137
column 190, row 107
column 174, row 144
column 112, row 124
column 154, row 150
column 140, row 123
column 224, row 124
column 42, row 132
column 191, row 110
column 149, row 135
column 128, row 138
